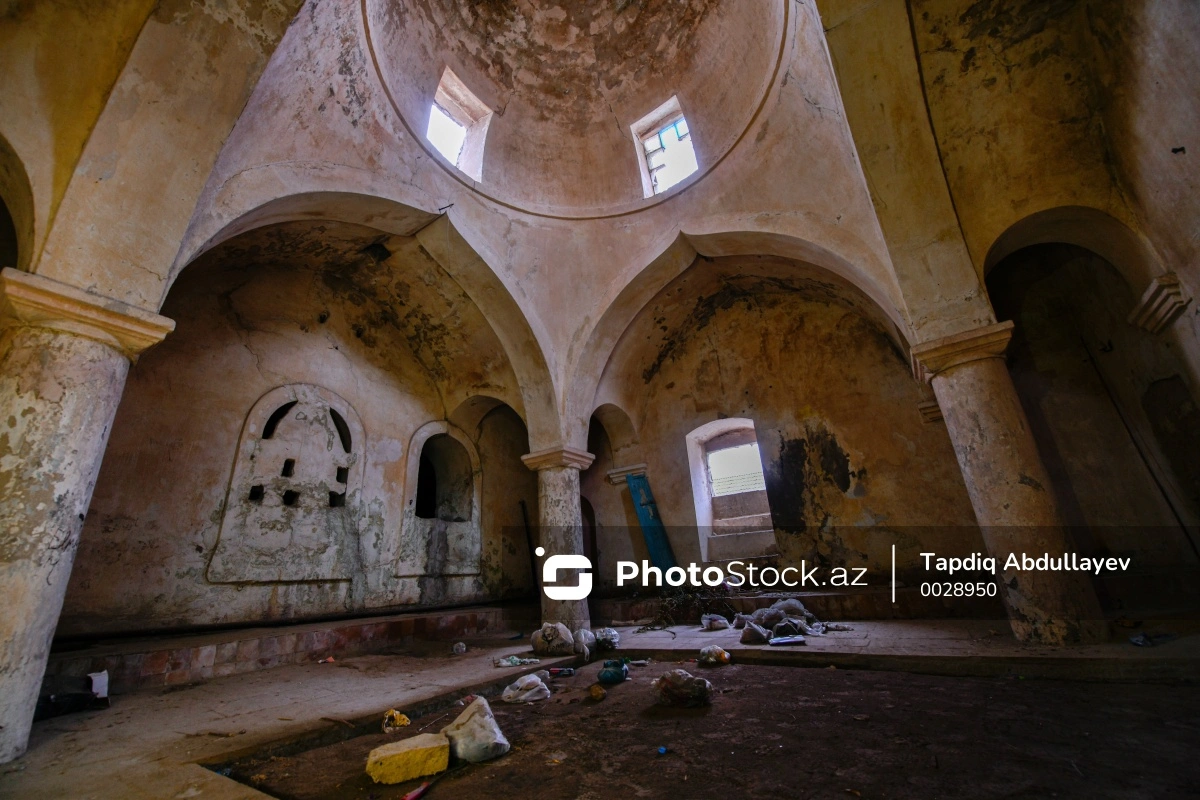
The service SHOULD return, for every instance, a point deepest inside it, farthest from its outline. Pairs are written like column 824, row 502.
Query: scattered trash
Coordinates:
column 713, row 622
column 515, row 661
column 784, row 641
column 837, row 626
column 561, row 672
column 460, row 648
column 475, row 735
column 607, row 639
column 613, row 672
column 642, row 662
column 789, row 627
column 662, row 751
column 753, row 633
column 393, row 721
column 585, row 643
column 713, row 656
column 553, row 639
column 328, row 660
column 526, row 689
column 1144, row 639
column 680, row 688
column 419, row 792
column 862, row 717
column 740, row 620
column 597, row 692
column 544, row 674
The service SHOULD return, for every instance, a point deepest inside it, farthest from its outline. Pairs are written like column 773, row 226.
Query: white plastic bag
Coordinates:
column 553, row 639
column 526, row 689
column 475, row 736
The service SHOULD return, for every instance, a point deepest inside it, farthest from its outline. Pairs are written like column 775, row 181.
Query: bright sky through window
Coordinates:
column 669, row 155
column 735, row 470
column 445, row 134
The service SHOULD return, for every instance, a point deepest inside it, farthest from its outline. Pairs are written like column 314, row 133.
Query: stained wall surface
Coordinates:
column 850, row 465
column 295, row 305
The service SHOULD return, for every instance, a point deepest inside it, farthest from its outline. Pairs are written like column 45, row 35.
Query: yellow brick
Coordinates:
column 401, row 761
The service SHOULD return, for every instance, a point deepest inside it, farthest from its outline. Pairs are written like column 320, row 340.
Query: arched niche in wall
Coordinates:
column 291, row 511
column 440, row 532
column 734, row 520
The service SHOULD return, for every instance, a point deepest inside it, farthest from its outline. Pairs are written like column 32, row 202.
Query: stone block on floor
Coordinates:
column 424, row 754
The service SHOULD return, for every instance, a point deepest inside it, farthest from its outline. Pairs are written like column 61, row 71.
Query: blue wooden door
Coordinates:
column 657, row 544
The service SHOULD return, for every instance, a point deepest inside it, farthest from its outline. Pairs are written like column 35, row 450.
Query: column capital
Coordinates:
column 559, row 457
column 34, row 301
column 1161, row 304
column 937, row 356
column 617, row 476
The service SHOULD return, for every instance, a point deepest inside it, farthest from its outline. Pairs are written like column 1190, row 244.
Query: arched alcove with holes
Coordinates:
column 291, row 509
column 440, row 533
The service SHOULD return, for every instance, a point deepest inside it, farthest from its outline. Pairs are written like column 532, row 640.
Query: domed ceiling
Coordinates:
column 567, row 80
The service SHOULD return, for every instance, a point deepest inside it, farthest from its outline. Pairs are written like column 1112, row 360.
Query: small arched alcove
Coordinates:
column 440, row 532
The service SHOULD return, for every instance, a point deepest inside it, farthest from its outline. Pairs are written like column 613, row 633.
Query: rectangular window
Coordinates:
column 735, row 470
column 664, row 148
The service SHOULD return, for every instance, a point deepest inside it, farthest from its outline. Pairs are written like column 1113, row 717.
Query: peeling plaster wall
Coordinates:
column 618, row 533
column 286, row 305
column 1147, row 61
column 850, row 465
column 507, row 482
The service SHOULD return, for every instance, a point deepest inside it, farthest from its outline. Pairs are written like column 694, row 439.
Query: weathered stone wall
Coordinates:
column 850, row 465
column 292, row 306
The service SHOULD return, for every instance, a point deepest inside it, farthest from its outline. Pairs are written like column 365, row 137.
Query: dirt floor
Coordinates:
column 785, row 732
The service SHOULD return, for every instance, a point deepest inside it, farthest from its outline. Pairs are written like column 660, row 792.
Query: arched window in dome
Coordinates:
column 458, row 125
column 666, row 154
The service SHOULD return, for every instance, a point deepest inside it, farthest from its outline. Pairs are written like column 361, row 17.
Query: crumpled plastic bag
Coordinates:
column 585, row 643
column 792, row 607
column 837, row 626
column 393, row 721
column 613, row 672
column 475, row 736
column 553, row 639
column 755, row 634
column 768, row 617
column 740, row 620
column 713, row 656
column 680, row 688
column 798, row 627
column 607, row 639
column 713, row 622
column 526, row 689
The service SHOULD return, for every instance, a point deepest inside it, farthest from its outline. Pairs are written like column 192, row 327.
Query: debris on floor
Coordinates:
column 682, row 689
column 752, row 633
column 394, row 721
column 460, row 648
column 713, row 656
column 515, row 661
column 785, row 641
column 1144, row 639
column 607, row 639
column 416, row 757
column 475, row 736
column 597, row 692
column 553, row 639
column 713, row 622
column 63, row 694
column 526, row 689
column 613, row 672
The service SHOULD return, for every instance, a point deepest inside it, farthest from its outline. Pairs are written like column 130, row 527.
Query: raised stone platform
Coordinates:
column 193, row 658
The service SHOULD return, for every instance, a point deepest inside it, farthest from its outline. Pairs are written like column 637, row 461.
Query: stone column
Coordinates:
column 64, row 355
column 560, row 525
column 1009, row 488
